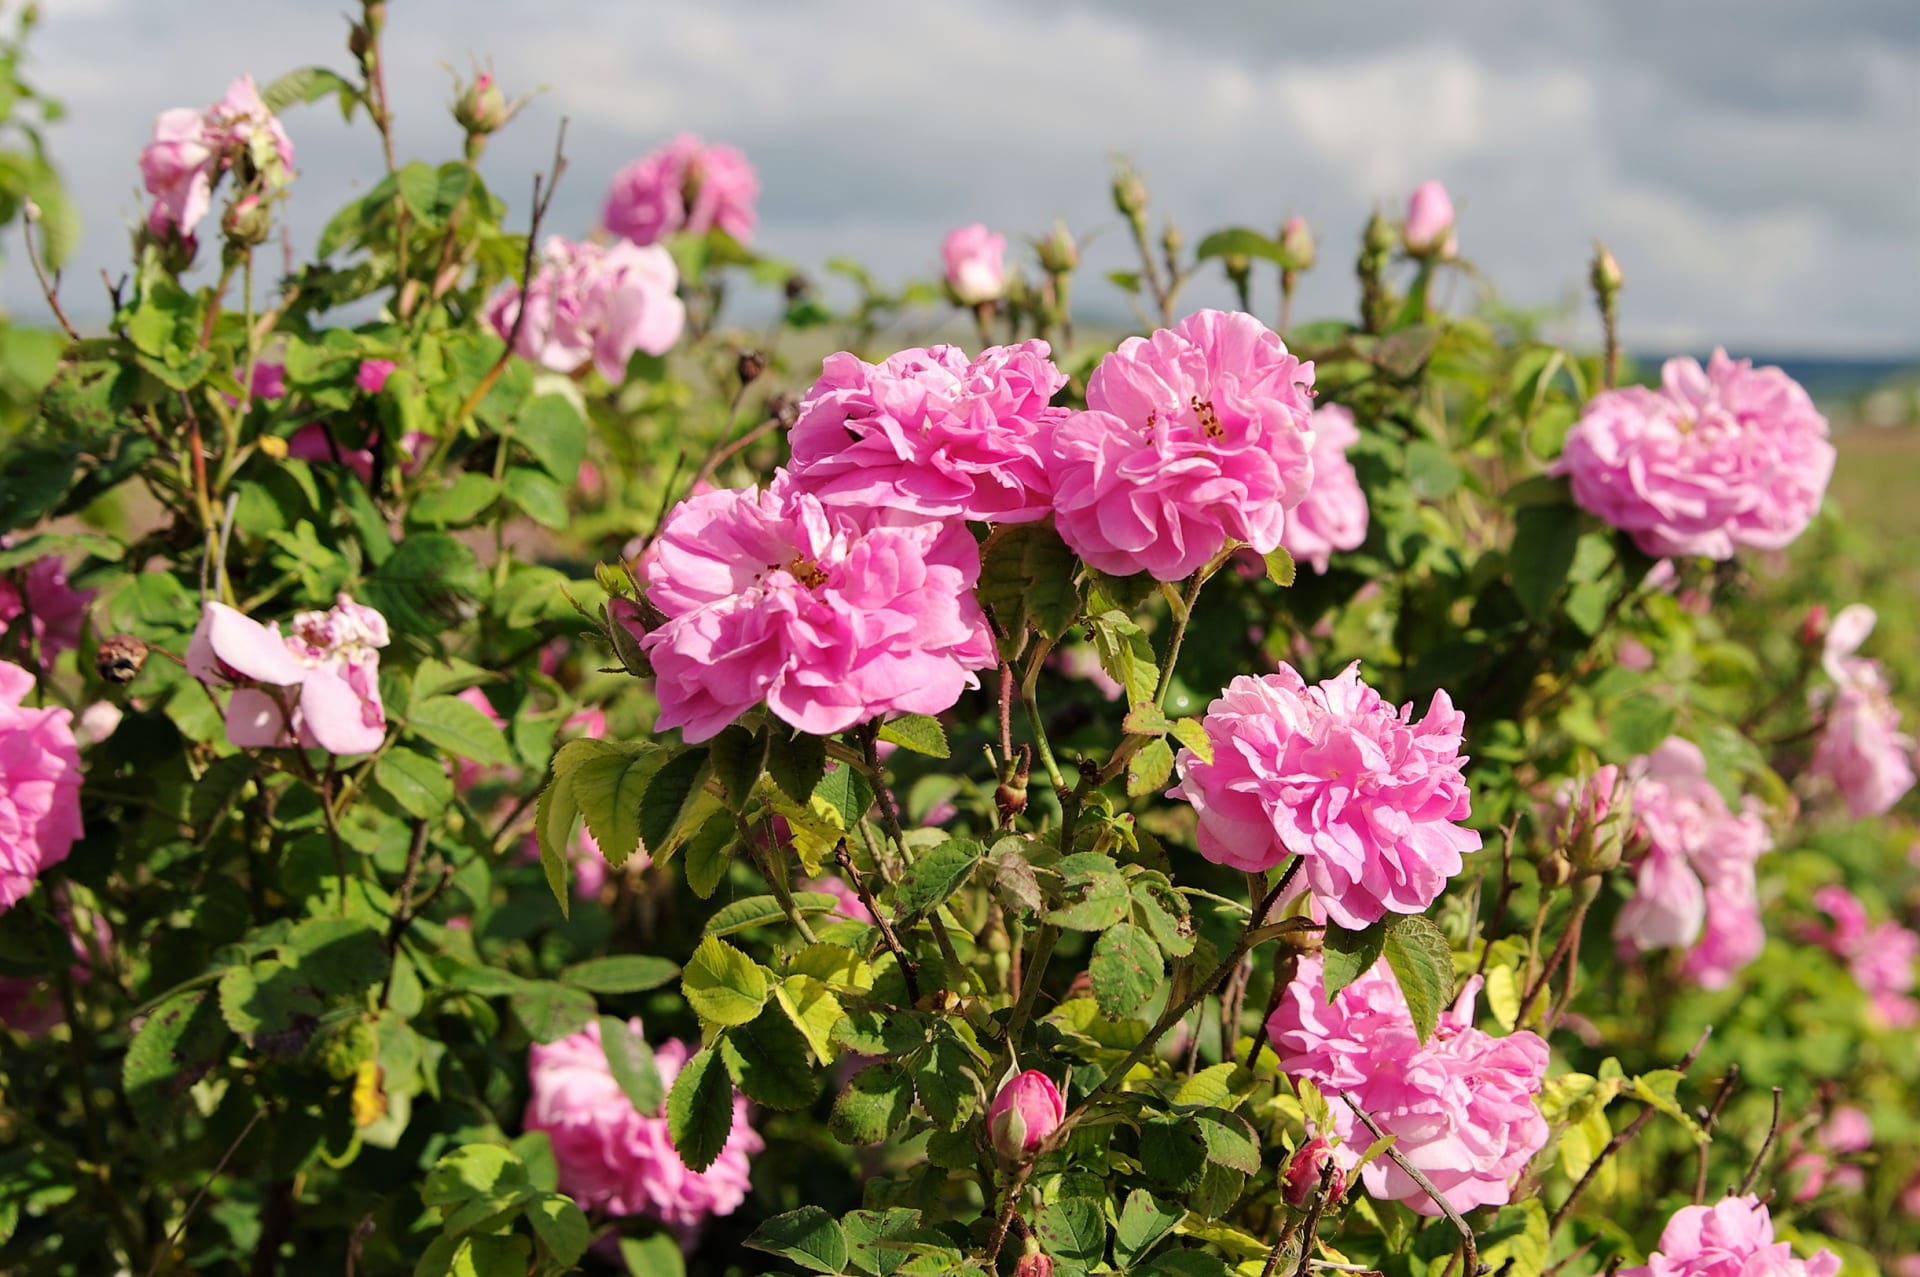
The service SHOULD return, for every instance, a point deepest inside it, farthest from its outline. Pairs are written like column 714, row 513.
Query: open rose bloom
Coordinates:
column 39, row 786
column 593, row 302
column 1861, row 754
column 317, row 687
column 191, row 150
column 1196, row 435
column 1717, row 458
column 1881, row 956
column 686, row 185
column 39, row 593
column 975, row 264
column 1333, row 515
column 1731, row 1238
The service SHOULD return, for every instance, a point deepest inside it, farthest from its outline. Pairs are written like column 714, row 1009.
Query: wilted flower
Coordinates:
column 1197, row 434
column 1368, row 798
column 1333, row 514
column 1462, row 1105
column 1428, row 229
column 685, row 185
column 1026, row 1111
column 317, row 687
column 1731, row 1238
column 593, row 301
column 975, row 262
column 932, row 433
column 830, row 618
column 1717, row 458
column 39, row 786
column 616, row 1159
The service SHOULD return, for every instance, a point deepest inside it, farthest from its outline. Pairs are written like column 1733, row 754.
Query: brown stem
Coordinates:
column 1766, row 1146
column 1310, row 1228
column 1708, row 1117
column 1001, row 1224
column 1426, row 1186
column 51, row 291
column 909, row 970
column 1568, row 939
column 403, row 906
column 180, row 1228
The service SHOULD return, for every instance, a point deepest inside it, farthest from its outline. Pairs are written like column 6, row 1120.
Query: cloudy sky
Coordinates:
column 1755, row 164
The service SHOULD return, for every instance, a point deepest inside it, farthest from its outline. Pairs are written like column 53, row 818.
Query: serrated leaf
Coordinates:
column 1281, row 569
column 814, row 1010
column 809, row 1237
column 796, row 762
column 552, row 430
column 630, row 1061
column 1171, row 1151
column 181, row 1039
column 1209, row 1088
column 934, row 877
column 1126, row 969
column 920, row 733
column 709, row 854
column 944, row 1081
column 1503, row 997
column 1143, row 1221
column 1149, row 769
column 550, row 1011
column 430, row 582
column 419, row 785
column 1229, row 1140
column 876, row 1102
column 620, row 973
column 670, row 799
column 1096, row 894
column 1422, row 963
column 723, row 985
column 459, row 728
column 1238, row 241
column 455, row 504
column 737, row 754
column 700, row 1110
column 1073, row 1229
column 1350, row 954
column 766, row 911
column 1126, row 654
column 1165, row 912
column 657, row 1255
column 610, row 788
column 307, row 84
column 770, row 1061
column 561, row 1227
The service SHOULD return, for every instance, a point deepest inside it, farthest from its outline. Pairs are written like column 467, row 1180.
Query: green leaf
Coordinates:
column 945, row 1082
column 610, row 786
column 723, row 985
column 700, row 1110
column 418, row 185
column 1516, row 1241
column 1229, row 1140
column 1281, row 569
column 766, row 911
column 459, row 728
column 1545, row 538
column 1143, row 1221
column 419, row 785
column 1422, row 962
column 550, row 1011
column 918, row 732
column 1209, row 1088
column 847, row 792
column 1171, row 1151
column 934, row 877
column 473, row 1170
column 430, row 582
column 1149, row 769
column 709, row 855
column 561, row 1227
column 1238, row 241
column 554, row 433
column 1639, row 723
column 1096, row 894
column 655, row 1256
column 180, row 1041
column 1165, row 913
column 809, row 1237
column 1027, row 578
column 1186, row 1262
column 670, row 798
column 539, row 496
column 457, row 504
column 1349, row 954
column 630, row 1060
column 1219, row 1188
column 796, row 762
column 1126, row 654
column 1432, row 473
column 1073, row 1229
column 307, row 84
column 771, row 1062
column 1126, row 969
column 877, row 1101
column 620, row 973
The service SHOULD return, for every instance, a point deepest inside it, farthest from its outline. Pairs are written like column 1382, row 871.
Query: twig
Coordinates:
column 51, row 291
column 1708, row 1117
column 1766, row 1146
column 909, row 970
column 194, row 1205
column 1619, row 1141
column 1001, row 1224
column 1309, row 1230
column 1568, row 939
column 1426, row 1186
column 403, row 909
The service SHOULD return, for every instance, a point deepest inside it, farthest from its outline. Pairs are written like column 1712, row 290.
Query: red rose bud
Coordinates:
column 1027, row 1110
column 1813, row 630
column 1301, row 1180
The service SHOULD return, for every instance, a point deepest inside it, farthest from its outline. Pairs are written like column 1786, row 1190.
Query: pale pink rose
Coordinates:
column 1862, row 753
column 1368, row 798
column 1880, row 956
column 615, row 1159
column 178, row 167
column 1694, row 885
column 1462, row 1105
column 1629, row 653
column 1333, row 515
column 1027, row 1109
column 685, row 185
column 1731, row 1238
column 466, row 772
column 55, row 609
column 598, row 302
column 831, row 619
column 1429, row 223
column 1197, row 434
column 246, row 125
column 1717, row 458
column 372, row 375
column 976, row 266
column 317, row 687
column 932, row 433
column 39, row 786
column 312, row 442
column 97, row 722
column 1813, row 1168
column 850, row 905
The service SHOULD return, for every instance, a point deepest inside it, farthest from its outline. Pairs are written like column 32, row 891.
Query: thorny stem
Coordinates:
column 1766, row 1146
column 1568, row 940
column 1308, row 1229
column 1030, row 701
column 782, row 890
column 1001, row 1224
column 909, row 970
column 1414, row 1173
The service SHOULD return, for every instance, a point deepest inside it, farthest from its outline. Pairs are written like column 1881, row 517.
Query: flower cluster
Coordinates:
column 1716, row 458
column 1333, row 514
column 831, row 618
column 317, row 687
column 1694, row 886
column 1196, row 435
column 598, row 302
column 1462, row 1105
column 1861, row 753
column 932, row 432
column 1881, row 957
column 686, row 185
column 191, row 150
column 39, row 786
column 975, row 265
column 1816, row 1167
column 41, row 597
column 1731, row 1238
column 613, row 1157
column 1367, row 798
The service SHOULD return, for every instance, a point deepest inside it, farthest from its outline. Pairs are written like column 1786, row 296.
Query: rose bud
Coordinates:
column 1296, row 244
column 1301, row 1180
column 1034, row 1263
column 1026, row 1111
column 1429, row 220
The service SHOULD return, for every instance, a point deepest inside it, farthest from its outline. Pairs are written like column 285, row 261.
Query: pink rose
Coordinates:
column 1026, row 1111
column 616, row 1159
column 932, row 433
column 976, row 271
column 1429, row 225
column 1862, row 753
column 828, row 618
column 1080, row 660
column 1300, row 1181
column 1197, row 434
column 1717, row 458
column 269, row 380
column 1880, row 957
column 1462, row 1105
column 1368, row 798
column 373, row 374
column 245, row 124
column 850, row 905
column 317, row 687
column 313, row 442
column 685, row 185
column 39, row 786
column 1731, row 1238
column 1847, row 1130
column 593, row 302
column 1333, row 515
column 55, row 610
column 178, row 167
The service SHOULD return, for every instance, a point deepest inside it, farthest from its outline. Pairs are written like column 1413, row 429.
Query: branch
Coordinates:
column 1766, row 1146
column 51, row 291
column 909, row 970
column 1426, row 1186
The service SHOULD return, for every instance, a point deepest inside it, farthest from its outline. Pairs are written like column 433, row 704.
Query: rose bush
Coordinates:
column 511, row 762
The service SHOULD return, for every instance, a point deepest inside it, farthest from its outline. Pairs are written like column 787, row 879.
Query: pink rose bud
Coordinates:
column 1058, row 252
column 1429, row 220
column 976, row 269
column 1813, row 630
column 247, row 222
column 1606, row 270
column 1296, row 244
column 1035, row 1263
column 1027, row 1110
column 1301, row 1180
column 481, row 107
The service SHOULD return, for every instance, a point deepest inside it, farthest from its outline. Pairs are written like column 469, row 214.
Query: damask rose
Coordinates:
column 975, row 264
column 191, row 150
column 593, row 302
column 1861, row 754
column 1026, row 1111
column 39, row 786
column 1428, row 227
column 38, row 596
column 686, row 185
column 1731, row 1238
column 317, row 687
column 1333, row 515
